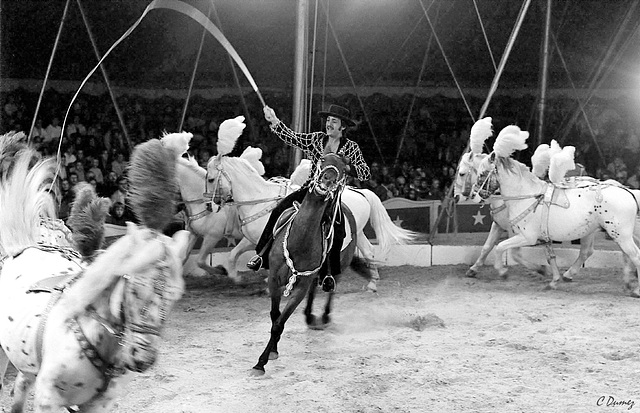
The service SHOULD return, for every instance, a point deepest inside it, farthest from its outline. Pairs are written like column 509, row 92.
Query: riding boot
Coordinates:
column 261, row 259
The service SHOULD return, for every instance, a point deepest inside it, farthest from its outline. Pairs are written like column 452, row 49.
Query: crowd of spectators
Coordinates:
column 412, row 144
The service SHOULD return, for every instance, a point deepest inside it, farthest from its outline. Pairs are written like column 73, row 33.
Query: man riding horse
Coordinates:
column 314, row 146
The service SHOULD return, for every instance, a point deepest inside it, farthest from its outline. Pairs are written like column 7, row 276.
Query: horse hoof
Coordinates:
column 317, row 326
column 635, row 294
column 372, row 287
column 471, row 273
column 255, row 372
column 273, row 355
column 544, row 270
column 504, row 275
column 220, row 270
column 567, row 279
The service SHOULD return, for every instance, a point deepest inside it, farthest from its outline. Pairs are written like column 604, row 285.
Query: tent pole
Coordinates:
column 106, row 78
column 544, row 73
column 46, row 76
column 193, row 75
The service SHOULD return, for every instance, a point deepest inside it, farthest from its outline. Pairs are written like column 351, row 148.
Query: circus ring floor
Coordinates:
column 430, row 340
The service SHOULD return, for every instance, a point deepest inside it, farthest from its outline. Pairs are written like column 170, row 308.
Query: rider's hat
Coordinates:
column 339, row 112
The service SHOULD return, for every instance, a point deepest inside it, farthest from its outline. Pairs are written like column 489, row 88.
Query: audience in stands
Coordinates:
column 95, row 147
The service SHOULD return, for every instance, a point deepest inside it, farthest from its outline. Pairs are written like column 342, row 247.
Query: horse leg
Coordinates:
column 551, row 259
column 326, row 318
column 366, row 249
column 586, row 250
column 310, row 319
column 208, row 244
column 494, row 235
column 103, row 403
column 193, row 238
column 277, row 326
column 4, row 363
column 20, row 392
column 516, row 254
column 243, row 246
column 515, row 241
column 633, row 252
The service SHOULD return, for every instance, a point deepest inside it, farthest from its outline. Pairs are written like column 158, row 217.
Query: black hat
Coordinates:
column 339, row 112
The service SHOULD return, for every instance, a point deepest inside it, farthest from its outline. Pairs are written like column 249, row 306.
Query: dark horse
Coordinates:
column 300, row 249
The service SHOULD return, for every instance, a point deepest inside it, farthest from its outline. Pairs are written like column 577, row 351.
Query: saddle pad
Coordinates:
column 556, row 196
column 51, row 284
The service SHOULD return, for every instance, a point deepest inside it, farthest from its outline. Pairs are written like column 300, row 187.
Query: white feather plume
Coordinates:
column 509, row 140
column 540, row 161
column 177, row 143
column 301, row 174
column 554, row 148
column 228, row 134
column 562, row 162
column 253, row 156
column 480, row 132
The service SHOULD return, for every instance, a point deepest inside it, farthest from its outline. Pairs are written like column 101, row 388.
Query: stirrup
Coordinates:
column 255, row 263
column 329, row 284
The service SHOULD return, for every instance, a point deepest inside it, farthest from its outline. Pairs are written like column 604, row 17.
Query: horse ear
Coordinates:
column 492, row 157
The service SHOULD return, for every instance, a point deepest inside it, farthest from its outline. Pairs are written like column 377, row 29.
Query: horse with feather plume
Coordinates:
column 76, row 321
column 212, row 217
column 541, row 211
column 541, row 161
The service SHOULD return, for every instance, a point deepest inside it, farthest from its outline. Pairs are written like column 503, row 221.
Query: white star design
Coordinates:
column 231, row 242
column 478, row 218
column 398, row 221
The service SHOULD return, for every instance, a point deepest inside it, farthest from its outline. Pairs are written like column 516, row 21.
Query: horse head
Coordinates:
column 145, row 295
column 330, row 177
column 467, row 174
column 487, row 183
column 218, row 181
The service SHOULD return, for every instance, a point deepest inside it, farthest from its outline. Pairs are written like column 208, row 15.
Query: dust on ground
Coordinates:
column 430, row 340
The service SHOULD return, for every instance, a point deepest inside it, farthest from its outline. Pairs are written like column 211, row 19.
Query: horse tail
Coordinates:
column 387, row 232
column 25, row 200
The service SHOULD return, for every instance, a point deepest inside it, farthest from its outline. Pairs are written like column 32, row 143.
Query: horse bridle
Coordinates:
column 159, row 288
column 467, row 183
column 331, row 191
column 216, row 196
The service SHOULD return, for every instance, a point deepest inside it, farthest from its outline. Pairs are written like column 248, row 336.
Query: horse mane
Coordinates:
column 24, row 199
column 86, row 220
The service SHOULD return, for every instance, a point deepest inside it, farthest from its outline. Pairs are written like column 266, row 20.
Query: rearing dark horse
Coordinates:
column 299, row 250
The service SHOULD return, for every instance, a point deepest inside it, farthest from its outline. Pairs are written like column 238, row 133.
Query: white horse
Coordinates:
column 539, row 210
column 255, row 198
column 213, row 218
column 75, row 327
